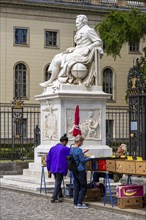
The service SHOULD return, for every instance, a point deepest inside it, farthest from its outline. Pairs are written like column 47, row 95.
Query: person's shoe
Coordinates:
column 55, row 200
column 82, row 206
column 60, row 199
column 75, row 206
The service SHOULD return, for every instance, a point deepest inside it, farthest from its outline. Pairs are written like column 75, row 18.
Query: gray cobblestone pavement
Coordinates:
column 17, row 205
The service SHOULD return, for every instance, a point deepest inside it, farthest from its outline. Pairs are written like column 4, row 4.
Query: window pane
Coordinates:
column 108, row 81
column 134, row 47
column 109, row 131
column 20, row 36
column 20, row 80
column 47, row 74
column 51, row 38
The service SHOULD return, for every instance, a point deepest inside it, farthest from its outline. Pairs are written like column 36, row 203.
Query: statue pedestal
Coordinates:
column 57, row 117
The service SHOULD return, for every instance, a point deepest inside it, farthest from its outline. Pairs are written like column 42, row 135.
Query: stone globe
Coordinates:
column 79, row 71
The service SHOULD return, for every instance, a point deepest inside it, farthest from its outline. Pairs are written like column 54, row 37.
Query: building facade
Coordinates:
column 32, row 32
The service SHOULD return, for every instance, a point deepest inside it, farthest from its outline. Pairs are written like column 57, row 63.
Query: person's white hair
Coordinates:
column 123, row 147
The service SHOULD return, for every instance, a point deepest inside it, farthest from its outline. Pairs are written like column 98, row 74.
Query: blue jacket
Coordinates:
column 79, row 158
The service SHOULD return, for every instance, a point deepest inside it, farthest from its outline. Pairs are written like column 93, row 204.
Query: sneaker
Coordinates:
column 82, row 206
column 75, row 206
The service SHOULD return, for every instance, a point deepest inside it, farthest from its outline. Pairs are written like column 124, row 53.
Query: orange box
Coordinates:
column 111, row 165
column 141, row 167
column 43, row 160
column 130, row 203
column 92, row 165
column 125, row 166
column 88, row 165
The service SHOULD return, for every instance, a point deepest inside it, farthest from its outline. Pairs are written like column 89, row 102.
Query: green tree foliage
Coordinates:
column 119, row 28
column 141, row 65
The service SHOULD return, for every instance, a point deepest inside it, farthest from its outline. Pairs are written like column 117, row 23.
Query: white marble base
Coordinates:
column 57, row 117
column 97, row 151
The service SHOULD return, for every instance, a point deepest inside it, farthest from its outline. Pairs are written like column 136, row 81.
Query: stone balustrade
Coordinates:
column 116, row 3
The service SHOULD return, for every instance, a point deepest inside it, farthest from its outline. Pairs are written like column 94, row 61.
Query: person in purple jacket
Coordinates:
column 56, row 164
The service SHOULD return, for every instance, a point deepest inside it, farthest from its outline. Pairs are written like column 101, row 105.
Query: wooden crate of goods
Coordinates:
column 141, row 167
column 125, row 166
column 93, row 194
column 88, row 165
column 111, row 165
column 130, row 203
column 92, row 165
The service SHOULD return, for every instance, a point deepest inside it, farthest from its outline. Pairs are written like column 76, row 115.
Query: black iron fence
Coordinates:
column 20, row 135
column 19, row 132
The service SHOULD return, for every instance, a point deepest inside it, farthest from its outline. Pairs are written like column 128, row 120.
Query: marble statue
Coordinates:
column 74, row 66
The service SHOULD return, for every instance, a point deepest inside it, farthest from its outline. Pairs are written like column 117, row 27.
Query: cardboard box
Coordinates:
column 129, row 191
column 43, row 160
column 141, row 167
column 93, row 194
column 92, row 165
column 88, row 165
column 125, row 166
column 111, row 165
column 130, row 203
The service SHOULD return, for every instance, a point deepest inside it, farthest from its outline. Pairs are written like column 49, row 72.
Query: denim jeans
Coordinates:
column 57, row 190
column 80, row 187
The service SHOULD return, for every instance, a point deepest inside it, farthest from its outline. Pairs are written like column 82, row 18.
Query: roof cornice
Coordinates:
column 45, row 4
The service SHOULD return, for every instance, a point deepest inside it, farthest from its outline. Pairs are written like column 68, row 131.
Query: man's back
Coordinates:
column 56, row 159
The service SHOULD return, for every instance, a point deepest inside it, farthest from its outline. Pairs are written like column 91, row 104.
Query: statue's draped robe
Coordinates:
column 85, row 38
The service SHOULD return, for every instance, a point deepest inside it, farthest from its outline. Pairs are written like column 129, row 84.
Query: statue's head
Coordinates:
column 81, row 20
column 90, row 114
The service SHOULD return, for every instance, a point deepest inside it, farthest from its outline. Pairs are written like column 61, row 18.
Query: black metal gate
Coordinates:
column 137, row 112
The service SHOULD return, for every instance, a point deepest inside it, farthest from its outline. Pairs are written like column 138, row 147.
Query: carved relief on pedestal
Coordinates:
column 50, row 122
column 90, row 123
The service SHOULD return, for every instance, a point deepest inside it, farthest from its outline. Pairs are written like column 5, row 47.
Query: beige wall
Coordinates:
column 36, row 57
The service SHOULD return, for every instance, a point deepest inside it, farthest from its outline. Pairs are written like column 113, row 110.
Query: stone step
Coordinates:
column 26, row 184
column 34, row 173
column 27, row 179
column 32, row 180
column 35, row 166
column 19, row 185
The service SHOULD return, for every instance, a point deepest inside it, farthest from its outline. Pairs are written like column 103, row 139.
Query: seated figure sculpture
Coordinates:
column 86, row 40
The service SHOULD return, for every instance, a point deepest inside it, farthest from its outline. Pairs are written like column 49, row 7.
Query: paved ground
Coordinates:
column 17, row 205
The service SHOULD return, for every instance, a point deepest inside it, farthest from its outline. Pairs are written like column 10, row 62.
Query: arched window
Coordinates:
column 108, row 81
column 20, row 80
column 47, row 74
